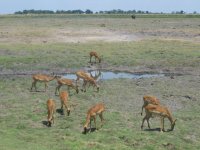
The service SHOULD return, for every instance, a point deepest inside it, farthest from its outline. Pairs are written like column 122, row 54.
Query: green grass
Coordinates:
column 22, row 113
column 161, row 54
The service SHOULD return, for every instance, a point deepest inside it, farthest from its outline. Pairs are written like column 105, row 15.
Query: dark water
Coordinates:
column 107, row 75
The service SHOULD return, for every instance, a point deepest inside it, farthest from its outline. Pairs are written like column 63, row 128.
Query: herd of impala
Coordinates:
column 151, row 104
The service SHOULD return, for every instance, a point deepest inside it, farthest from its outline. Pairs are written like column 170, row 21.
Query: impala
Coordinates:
column 51, row 110
column 95, row 55
column 41, row 78
column 64, row 96
column 150, row 100
column 95, row 110
column 91, row 81
column 159, row 111
column 68, row 82
column 81, row 75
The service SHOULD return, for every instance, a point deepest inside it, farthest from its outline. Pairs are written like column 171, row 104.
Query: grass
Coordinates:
column 159, row 53
column 23, row 113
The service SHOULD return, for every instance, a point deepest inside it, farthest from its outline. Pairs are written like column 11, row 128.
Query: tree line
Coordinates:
column 114, row 11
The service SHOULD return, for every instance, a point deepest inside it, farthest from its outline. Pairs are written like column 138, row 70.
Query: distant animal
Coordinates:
column 95, row 110
column 64, row 96
column 95, row 55
column 68, row 82
column 133, row 16
column 41, row 78
column 51, row 110
column 159, row 111
column 148, row 99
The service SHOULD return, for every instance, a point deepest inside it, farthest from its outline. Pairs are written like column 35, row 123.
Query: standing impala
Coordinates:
column 68, row 82
column 41, row 78
column 159, row 111
column 51, row 110
column 95, row 55
column 150, row 100
column 95, row 110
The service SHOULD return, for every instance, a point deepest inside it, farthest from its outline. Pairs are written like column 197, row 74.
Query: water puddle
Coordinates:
column 107, row 75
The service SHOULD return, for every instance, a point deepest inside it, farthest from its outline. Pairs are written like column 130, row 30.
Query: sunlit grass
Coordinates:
column 23, row 113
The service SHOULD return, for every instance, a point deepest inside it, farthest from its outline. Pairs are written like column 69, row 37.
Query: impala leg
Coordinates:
column 33, row 85
column 143, row 122
column 58, row 88
column 62, row 107
column 45, row 86
column 95, row 122
column 161, row 124
column 145, row 118
column 53, row 119
column 84, row 86
column 90, row 58
column 142, row 110
column 67, row 108
column 90, row 125
column 101, row 117
column 148, row 123
column 77, row 79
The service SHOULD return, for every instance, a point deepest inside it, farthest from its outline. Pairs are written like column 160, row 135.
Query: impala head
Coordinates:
column 85, row 129
column 173, row 124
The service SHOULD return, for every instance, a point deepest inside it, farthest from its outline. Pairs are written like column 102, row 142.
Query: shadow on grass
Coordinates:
column 157, row 129
column 60, row 111
column 37, row 91
column 89, row 131
column 46, row 123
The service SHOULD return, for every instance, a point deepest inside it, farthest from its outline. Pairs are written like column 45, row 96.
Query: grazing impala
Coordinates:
column 41, row 78
column 51, row 110
column 96, row 56
column 67, row 82
column 97, row 109
column 81, row 75
column 159, row 111
column 150, row 100
column 64, row 96
column 91, row 81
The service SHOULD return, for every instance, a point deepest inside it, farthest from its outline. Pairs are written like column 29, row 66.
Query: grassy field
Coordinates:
column 61, row 43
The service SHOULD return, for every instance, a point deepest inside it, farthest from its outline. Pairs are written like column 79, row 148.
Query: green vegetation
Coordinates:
column 52, row 57
column 48, row 43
